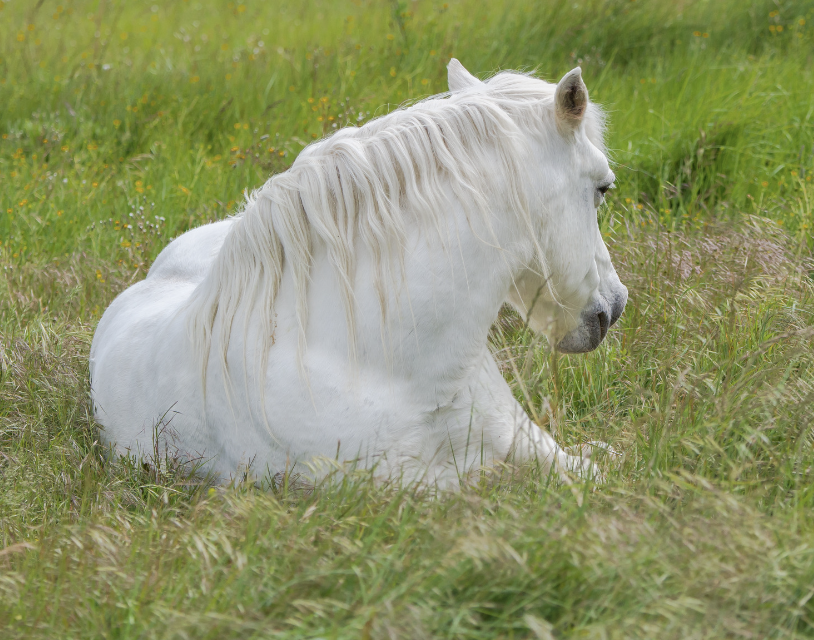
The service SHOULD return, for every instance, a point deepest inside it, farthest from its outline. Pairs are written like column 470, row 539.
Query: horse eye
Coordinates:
column 599, row 197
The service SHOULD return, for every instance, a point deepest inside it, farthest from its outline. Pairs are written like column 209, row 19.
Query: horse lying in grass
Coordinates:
column 345, row 312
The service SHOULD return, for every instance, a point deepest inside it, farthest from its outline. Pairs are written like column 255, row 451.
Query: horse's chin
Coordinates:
column 580, row 340
column 584, row 338
column 594, row 323
column 588, row 335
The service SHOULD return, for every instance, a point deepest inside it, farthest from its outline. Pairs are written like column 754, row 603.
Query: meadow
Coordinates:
column 126, row 123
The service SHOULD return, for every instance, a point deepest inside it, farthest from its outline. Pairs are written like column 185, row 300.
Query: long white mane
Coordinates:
column 369, row 185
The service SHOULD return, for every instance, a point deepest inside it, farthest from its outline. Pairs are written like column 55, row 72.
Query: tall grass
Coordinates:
column 124, row 124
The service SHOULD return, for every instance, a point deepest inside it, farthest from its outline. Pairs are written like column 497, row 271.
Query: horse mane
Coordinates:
column 366, row 184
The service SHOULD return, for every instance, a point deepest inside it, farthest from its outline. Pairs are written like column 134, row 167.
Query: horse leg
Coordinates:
column 533, row 442
column 528, row 440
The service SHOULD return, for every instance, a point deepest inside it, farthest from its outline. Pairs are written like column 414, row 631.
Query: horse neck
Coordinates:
column 456, row 287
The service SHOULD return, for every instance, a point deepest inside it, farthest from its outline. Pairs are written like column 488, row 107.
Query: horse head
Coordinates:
column 568, row 289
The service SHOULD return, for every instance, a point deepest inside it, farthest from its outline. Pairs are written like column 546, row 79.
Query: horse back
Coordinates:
column 189, row 256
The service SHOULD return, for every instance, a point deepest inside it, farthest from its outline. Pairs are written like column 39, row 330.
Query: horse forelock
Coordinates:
column 371, row 183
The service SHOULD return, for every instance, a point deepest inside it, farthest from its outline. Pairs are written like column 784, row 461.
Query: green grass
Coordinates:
column 113, row 144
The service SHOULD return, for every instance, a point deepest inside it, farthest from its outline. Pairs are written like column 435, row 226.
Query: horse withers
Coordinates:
column 345, row 312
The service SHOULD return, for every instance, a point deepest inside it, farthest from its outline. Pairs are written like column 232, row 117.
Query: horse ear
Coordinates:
column 571, row 99
column 458, row 77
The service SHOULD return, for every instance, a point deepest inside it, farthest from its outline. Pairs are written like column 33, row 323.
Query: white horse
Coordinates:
column 344, row 313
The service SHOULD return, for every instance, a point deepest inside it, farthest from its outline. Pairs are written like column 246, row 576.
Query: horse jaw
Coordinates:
column 572, row 331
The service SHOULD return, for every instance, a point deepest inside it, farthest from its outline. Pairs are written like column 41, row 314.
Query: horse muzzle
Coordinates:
column 594, row 324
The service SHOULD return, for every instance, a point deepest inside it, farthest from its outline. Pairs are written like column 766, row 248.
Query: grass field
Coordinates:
column 125, row 123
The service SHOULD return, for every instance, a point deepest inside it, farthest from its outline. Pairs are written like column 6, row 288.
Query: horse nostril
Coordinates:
column 604, row 323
